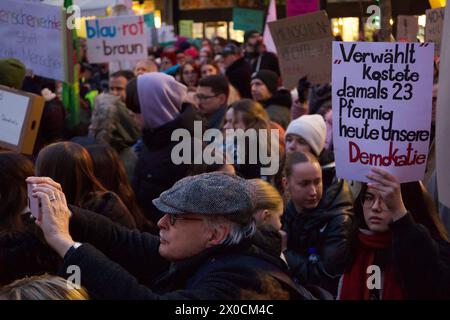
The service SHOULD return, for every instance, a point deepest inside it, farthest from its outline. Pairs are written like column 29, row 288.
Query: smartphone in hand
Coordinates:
column 33, row 203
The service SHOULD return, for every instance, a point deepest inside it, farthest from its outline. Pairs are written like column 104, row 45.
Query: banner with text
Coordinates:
column 433, row 28
column 33, row 33
column 248, row 19
column 442, row 117
column 304, row 48
column 116, row 39
column 382, row 94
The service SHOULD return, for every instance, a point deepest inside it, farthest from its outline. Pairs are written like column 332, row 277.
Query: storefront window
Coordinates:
column 213, row 29
column 237, row 35
column 347, row 28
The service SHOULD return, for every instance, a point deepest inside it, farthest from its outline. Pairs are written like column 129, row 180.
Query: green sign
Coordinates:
column 186, row 28
column 149, row 19
column 248, row 19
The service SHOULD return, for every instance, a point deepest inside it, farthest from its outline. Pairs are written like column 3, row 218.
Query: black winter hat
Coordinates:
column 269, row 78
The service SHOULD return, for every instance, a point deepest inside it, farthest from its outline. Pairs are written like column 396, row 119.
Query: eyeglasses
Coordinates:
column 368, row 200
column 174, row 217
column 203, row 97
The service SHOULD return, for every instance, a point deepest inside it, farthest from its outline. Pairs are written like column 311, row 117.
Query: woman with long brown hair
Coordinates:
column 71, row 166
column 248, row 115
column 23, row 250
column 110, row 171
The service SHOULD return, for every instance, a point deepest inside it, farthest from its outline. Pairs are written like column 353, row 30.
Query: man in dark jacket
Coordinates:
column 277, row 103
column 237, row 71
column 217, row 263
column 318, row 227
column 257, row 56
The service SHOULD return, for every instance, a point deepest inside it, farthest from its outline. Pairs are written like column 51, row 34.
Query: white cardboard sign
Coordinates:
column 33, row 33
column 116, row 39
column 382, row 95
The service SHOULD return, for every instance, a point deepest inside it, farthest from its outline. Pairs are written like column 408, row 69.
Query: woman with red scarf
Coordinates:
column 387, row 263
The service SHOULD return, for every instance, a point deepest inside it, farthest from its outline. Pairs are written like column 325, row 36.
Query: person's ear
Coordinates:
column 223, row 98
column 284, row 182
column 265, row 215
column 218, row 235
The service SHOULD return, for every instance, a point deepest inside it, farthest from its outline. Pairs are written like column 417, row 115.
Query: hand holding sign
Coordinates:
column 388, row 187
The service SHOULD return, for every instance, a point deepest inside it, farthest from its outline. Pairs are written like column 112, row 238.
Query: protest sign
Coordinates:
column 186, row 28
column 433, row 28
column 20, row 116
column 248, row 19
column 297, row 7
column 34, row 33
column 122, row 38
column 382, row 95
column 443, row 116
column 407, row 28
column 166, row 34
column 304, row 48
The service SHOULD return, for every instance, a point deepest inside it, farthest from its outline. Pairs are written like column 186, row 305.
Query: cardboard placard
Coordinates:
column 433, row 28
column 443, row 116
column 166, row 34
column 20, row 117
column 407, row 28
column 248, row 19
column 186, row 28
column 122, row 38
column 297, row 7
column 304, row 48
column 35, row 34
column 382, row 101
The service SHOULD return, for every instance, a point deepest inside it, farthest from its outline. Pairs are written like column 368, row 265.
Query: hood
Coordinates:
column 160, row 98
column 281, row 98
column 111, row 124
column 161, row 136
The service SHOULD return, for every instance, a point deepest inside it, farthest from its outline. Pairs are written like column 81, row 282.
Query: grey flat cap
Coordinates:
column 213, row 193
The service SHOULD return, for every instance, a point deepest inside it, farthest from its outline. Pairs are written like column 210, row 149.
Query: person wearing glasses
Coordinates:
column 205, row 237
column 212, row 96
column 400, row 244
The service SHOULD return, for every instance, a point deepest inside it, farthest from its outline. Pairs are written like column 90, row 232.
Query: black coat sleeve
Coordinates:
column 332, row 253
column 105, row 279
column 135, row 251
column 417, row 259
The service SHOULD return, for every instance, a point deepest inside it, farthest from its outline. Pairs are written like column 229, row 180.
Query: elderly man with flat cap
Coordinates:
column 205, row 235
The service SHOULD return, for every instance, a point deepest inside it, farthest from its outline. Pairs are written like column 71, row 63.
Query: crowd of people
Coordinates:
column 140, row 225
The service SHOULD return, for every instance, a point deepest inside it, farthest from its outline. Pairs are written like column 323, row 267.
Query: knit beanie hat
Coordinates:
column 312, row 129
column 269, row 78
column 12, row 73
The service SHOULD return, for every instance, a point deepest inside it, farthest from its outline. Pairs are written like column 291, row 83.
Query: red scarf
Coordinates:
column 354, row 282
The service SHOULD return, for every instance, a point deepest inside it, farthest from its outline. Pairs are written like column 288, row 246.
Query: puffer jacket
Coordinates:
column 319, row 239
